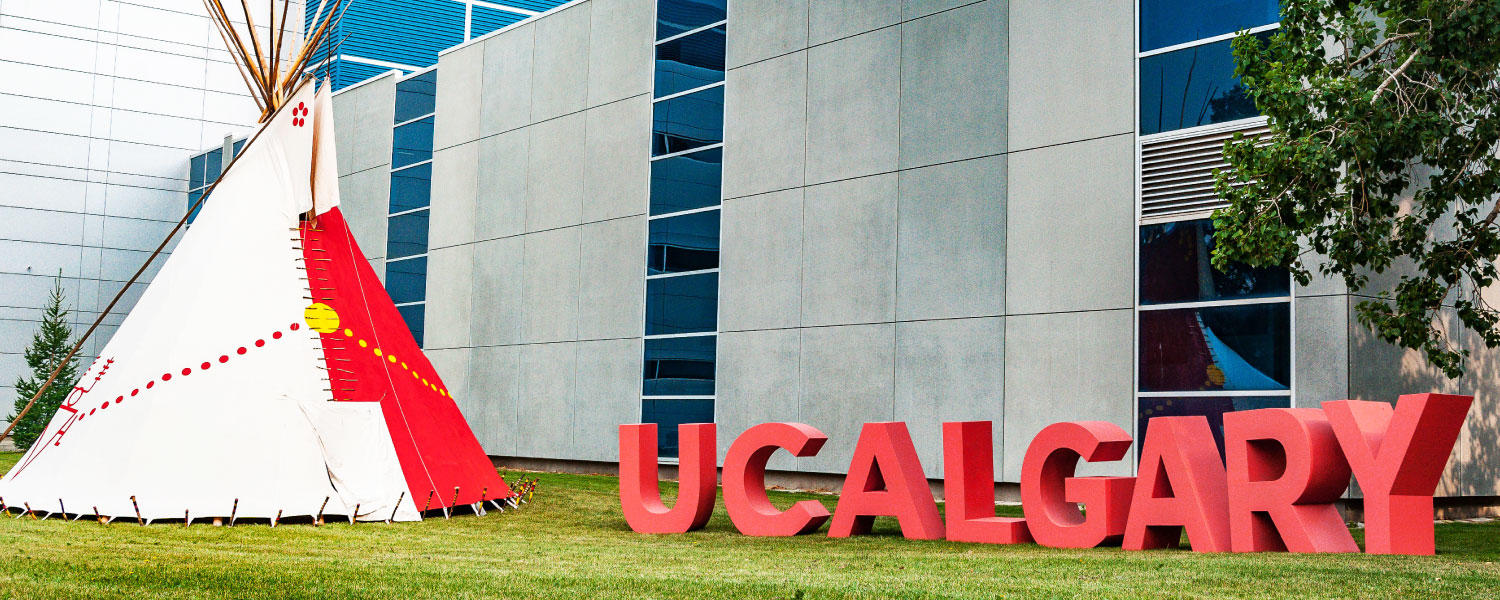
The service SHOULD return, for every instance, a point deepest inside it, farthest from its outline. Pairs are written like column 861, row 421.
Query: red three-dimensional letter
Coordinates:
column 745, row 481
column 1398, row 457
column 1181, row 483
column 1285, row 472
column 969, row 486
column 640, row 496
column 885, row 479
column 1050, row 493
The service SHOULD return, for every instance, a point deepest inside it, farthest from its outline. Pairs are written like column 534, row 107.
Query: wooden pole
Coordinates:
column 137, row 507
column 398, row 507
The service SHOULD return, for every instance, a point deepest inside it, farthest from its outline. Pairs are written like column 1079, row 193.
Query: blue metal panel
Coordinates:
column 485, row 20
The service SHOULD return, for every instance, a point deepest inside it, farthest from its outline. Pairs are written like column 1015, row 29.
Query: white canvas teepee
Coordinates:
column 264, row 373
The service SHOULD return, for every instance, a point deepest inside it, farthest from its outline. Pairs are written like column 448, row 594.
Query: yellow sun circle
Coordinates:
column 321, row 317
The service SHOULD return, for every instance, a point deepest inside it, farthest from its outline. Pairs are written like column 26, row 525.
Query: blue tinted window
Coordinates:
column 407, row 235
column 679, row 16
column 684, row 243
column 213, row 165
column 1171, row 22
column 195, row 172
column 680, row 366
column 411, row 188
column 415, row 316
column 191, row 203
column 416, row 96
column 1231, row 348
column 686, row 182
column 688, row 122
column 1191, row 87
column 668, row 414
column 238, row 146
column 1175, row 268
column 1213, row 408
column 406, row 280
column 412, row 143
column 687, row 304
column 690, row 62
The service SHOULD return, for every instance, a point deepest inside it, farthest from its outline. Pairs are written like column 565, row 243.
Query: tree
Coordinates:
column 49, row 347
column 1384, row 155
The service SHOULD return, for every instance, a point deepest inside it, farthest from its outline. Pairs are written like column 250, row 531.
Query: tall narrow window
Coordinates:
column 411, row 198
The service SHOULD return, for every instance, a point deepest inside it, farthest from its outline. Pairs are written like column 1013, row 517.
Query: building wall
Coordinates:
column 102, row 104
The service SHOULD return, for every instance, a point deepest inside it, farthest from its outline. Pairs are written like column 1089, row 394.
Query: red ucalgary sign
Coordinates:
column 1282, row 471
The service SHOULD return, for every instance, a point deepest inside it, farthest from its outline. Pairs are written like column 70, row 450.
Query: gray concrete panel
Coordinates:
column 1321, row 358
column 497, row 292
column 1071, row 227
column 758, row 380
column 761, row 29
column 913, row 9
column 549, row 293
column 505, row 102
column 452, row 366
column 616, row 170
column 545, row 410
column 849, row 252
column 559, row 80
column 847, row 381
column 455, row 174
column 450, row 296
column 1072, row 71
column 494, row 387
column 952, row 234
column 609, row 395
column 1067, row 367
column 460, row 80
column 950, row 370
column 853, row 106
column 358, row 114
column 760, row 262
column 612, row 279
column 365, row 200
column 830, row 20
column 765, row 126
column 954, row 72
column 554, row 188
column 504, row 166
column 620, row 49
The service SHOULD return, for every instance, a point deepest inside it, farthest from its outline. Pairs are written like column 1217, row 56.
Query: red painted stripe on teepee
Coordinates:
column 373, row 358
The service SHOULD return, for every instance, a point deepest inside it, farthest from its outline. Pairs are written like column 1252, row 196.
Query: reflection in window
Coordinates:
column 680, row 16
column 686, row 304
column 412, row 143
column 686, row 182
column 213, row 165
column 415, row 316
column 1238, row 347
column 1171, row 22
column 192, row 202
column 406, row 280
column 1175, row 267
column 1212, row 407
column 680, row 366
column 407, row 235
column 416, row 96
column 411, row 188
column 1191, row 87
column 683, row 243
column 668, row 414
column 688, row 122
column 195, row 171
column 690, row 62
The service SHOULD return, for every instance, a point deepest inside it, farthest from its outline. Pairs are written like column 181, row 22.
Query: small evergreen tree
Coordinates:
column 49, row 346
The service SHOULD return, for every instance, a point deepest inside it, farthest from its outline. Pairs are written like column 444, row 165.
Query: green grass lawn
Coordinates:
column 572, row 542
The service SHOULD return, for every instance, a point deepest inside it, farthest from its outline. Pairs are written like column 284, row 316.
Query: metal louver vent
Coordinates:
column 1177, row 174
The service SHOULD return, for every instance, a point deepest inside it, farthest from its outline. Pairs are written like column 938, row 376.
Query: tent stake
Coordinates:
column 234, row 511
column 3, row 507
column 448, row 511
column 98, row 517
column 28, row 511
column 429, row 501
column 319, row 522
column 137, row 512
column 354, row 515
column 186, row 520
column 277, row 520
column 398, row 507
column 63, row 510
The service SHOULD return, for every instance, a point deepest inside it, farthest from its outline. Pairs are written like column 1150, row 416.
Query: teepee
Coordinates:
column 264, row 373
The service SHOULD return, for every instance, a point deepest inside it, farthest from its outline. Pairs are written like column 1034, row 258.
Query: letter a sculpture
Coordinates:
column 264, row 373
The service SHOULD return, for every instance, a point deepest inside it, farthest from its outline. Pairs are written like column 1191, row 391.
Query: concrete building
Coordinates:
column 103, row 100
column 909, row 210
